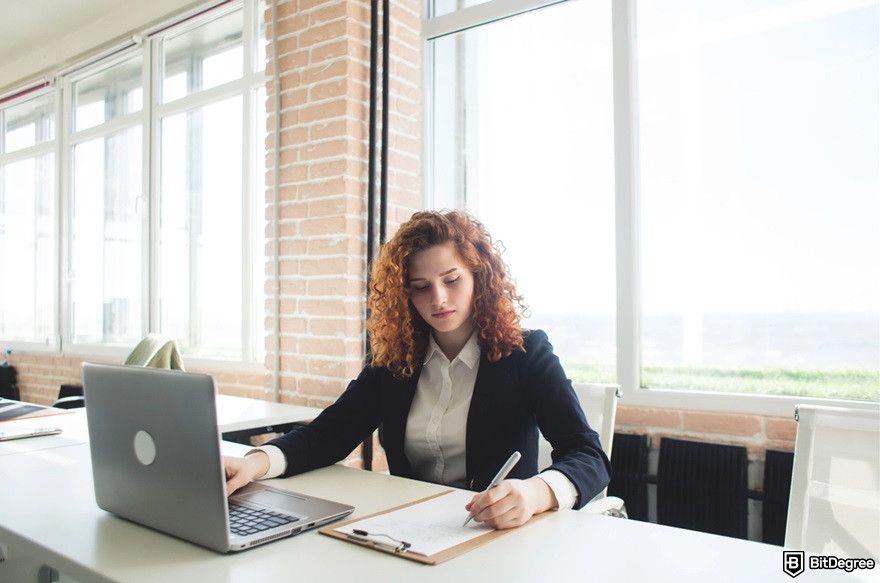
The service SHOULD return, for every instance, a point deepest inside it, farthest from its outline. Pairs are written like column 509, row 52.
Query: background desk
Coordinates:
column 74, row 431
column 49, row 513
column 238, row 418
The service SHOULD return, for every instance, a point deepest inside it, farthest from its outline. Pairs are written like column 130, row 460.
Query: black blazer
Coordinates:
column 513, row 398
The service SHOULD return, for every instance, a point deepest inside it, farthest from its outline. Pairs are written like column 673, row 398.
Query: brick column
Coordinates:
column 323, row 63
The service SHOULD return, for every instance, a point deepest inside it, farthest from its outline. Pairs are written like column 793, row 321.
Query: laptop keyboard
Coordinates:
column 245, row 520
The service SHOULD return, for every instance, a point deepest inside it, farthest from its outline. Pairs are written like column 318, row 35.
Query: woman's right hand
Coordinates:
column 241, row 471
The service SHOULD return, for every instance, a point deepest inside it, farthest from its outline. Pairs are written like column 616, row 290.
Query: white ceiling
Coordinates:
column 29, row 24
column 39, row 36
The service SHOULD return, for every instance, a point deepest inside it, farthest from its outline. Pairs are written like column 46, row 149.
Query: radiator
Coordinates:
column 629, row 466
column 703, row 486
column 777, row 485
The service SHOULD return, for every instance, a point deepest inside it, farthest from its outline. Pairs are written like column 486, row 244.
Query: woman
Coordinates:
column 454, row 383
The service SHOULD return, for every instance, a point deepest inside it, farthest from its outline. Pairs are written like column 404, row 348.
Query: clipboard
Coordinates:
column 434, row 559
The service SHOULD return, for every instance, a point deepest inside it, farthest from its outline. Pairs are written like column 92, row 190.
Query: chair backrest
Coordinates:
column 156, row 351
column 834, row 506
column 599, row 403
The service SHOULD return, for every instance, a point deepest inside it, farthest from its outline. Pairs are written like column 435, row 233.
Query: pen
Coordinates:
column 502, row 473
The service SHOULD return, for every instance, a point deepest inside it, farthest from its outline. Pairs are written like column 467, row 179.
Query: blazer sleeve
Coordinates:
column 577, row 452
column 337, row 430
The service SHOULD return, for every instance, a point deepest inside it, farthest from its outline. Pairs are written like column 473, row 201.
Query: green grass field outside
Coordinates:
column 863, row 385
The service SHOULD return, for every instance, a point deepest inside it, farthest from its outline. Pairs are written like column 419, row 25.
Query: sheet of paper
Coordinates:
column 19, row 411
column 430, row 527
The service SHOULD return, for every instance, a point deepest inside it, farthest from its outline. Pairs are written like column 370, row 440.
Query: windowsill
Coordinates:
column 693, row 400
column 217, row 364
column 770, row 405
column 101, row 353
column 29, row 347
column 117, row 354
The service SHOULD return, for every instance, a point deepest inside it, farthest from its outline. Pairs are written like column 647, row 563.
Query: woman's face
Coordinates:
column 441, row 288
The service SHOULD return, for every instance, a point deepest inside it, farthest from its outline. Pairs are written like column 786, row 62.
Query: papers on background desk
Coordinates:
column 430, row 527
column 10, row 410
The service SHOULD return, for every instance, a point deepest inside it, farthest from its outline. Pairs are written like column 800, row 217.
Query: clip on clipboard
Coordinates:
column 413, row 531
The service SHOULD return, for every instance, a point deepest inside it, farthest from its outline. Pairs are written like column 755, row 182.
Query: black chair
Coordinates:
column 154, row 351
column 9, row 383
column 70, row 397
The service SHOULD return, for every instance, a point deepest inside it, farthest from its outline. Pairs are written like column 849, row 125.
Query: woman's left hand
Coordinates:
column 512, row 502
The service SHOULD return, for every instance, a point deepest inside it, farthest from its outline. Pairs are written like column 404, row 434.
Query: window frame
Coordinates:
column 69, row 140
column 147, row 42
column 627, row 209
column 52, row 344
column 246, row 86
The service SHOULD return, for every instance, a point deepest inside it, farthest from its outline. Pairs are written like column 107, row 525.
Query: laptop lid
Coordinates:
column 156, row 450
column 156, row 461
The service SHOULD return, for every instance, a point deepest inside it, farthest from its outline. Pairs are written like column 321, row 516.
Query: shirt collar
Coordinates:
column 469, row 355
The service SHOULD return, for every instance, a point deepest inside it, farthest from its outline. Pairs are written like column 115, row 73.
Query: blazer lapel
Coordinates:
column 399, row 395
column 491, row 379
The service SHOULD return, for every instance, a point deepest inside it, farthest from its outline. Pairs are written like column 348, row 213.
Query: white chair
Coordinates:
column 156, row 351
column 834, row 506
column 599, row 403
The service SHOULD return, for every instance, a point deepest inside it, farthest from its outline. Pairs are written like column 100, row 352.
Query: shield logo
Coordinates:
column 793, row 563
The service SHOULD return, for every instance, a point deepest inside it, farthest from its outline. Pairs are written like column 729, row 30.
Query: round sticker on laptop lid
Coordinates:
column 144, row 447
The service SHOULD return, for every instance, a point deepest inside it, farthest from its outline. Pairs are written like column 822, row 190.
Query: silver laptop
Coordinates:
column 156, row 461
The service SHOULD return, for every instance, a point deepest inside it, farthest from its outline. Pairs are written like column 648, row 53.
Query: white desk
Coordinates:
column 234, row 414
column 49, row 512
column 74, row 431
column 239, row 418
column 239, row 413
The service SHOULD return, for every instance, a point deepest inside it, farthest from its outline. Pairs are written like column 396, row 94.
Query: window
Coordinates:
column 28, row 219
column 205, row 190
column 197, row 59
column 106, row 209
column 108, row 94
column 760, row 198
column 530, row 134
column 162, row 178
column 758, row 263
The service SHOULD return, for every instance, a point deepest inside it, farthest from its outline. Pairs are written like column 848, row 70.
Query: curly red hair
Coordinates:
column 398, row 334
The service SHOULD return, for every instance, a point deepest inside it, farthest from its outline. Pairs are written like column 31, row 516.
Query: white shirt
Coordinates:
column 436, row 429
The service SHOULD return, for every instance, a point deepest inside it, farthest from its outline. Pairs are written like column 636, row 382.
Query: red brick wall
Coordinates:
column 323, row 64
column 40, row 376
column 756, row 433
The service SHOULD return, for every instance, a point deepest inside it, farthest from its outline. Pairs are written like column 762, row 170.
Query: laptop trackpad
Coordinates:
column 271, row 498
